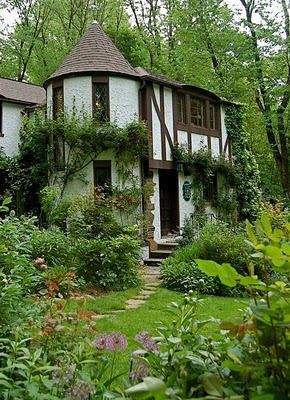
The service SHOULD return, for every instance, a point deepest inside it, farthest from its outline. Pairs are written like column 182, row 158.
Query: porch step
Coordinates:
column 152, row 262
column 168, row 246
column 160, row 254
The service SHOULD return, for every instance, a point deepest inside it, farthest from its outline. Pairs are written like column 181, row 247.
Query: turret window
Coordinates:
column 100, row 102
column 57, row 101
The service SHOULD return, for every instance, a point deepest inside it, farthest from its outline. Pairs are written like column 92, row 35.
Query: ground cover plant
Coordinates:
column 217, row 242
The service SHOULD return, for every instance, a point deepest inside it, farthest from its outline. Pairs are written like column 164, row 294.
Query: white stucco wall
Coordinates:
column 198, row 141
column 156, row 127
column 168, row 112
column 224, row 130
column 49, row 100
column 124, row 100
column 185, row 207
column 77, row 92
column 182, row 138
column 155, row 199
column 215, row 146
column 11, row 124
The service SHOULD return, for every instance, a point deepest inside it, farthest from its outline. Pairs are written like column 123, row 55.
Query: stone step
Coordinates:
column 153, row 262
column 160, row 254
column 171, row 246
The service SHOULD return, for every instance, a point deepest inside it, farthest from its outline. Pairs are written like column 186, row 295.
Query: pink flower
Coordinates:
column 39, row 261
column 146, row 340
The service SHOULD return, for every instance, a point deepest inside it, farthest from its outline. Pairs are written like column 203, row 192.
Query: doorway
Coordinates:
column 169, row 206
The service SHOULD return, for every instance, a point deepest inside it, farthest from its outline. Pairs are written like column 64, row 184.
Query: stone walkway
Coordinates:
column 151, row 277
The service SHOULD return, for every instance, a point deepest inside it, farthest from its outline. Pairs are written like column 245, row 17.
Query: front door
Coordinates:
column 169, row 208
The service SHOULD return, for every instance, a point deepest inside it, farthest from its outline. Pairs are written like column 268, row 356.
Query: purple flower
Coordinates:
column 69, row 373
column 100, row 342
column 112, row 342
column 81, row 391
column 146, row 340
column 140, row 371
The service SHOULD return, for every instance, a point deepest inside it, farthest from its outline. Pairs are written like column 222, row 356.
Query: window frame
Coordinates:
column 104, row 164
column 188, row 125
column 58, row 147
column 101, row 80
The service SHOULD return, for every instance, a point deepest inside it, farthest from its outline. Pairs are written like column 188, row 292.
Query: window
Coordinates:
column 210, row 189
column 1, row 119
column 57, row 101
column 181, row 108
column 100, row 99
column 197, row 111
column 103, row 175
column 212, row 116
column 58, row 147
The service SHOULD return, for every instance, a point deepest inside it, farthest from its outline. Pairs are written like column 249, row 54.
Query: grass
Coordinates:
column 149, row 316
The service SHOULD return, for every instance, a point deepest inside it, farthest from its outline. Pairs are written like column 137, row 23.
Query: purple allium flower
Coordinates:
column 116, row 341
column 81, row 391
column 69, row 373
column 112, row 342
column 100, row 342
column 140, row 371
column 148, row 343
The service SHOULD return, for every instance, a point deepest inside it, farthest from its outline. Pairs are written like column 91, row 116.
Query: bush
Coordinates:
column 110, row 264
column 218, row 243
column 90, row 216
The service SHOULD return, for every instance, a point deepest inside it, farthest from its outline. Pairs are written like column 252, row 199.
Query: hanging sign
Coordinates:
column 186, row 190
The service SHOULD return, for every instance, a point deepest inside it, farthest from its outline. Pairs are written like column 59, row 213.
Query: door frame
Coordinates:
column 175, row 209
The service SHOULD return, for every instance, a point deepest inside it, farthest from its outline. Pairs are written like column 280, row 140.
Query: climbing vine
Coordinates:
column 247, row 173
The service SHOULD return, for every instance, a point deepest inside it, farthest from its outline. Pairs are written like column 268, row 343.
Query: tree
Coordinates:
column 270, row 64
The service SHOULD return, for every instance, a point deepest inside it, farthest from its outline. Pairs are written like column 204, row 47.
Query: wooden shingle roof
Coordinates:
column 21, row 92
column 95, row 52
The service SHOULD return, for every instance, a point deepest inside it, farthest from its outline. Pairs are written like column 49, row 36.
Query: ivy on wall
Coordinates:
column 83, row 139
column 247, row 172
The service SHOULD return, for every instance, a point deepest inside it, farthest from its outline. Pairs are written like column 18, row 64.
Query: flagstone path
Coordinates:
column 151, row 276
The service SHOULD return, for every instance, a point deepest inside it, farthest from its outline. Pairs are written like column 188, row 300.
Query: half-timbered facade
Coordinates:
column 96, row 80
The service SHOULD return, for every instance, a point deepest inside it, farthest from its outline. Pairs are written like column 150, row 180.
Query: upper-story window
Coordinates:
column 181, row 108
column 57, row 101
column 197, row 111
column 100, row 102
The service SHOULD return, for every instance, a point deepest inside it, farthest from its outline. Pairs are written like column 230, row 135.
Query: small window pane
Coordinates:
column 181, row 108
column 197, row 111
column 57, row 101
column 100, row 106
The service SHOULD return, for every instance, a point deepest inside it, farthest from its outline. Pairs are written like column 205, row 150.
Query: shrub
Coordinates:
column 217, row 242
column 91, row 216
column 55, row 247
column 110, row 264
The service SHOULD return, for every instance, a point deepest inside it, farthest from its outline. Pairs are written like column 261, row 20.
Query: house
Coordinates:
column 96, row 74
column 96, row 79
column 15, row 97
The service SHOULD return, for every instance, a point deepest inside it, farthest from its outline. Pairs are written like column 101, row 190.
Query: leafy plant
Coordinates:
column 261, row 344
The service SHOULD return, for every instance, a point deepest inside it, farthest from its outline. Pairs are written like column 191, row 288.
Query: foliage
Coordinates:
column 183, row 362
column 110, row 264
column 261, row 343
column 55, row 210
column 217, row 242
column 247, row 173
column 91, row 216
column 18, row 280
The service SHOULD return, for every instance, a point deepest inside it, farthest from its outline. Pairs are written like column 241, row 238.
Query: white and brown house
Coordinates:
column 96, row 74
column 15, row 97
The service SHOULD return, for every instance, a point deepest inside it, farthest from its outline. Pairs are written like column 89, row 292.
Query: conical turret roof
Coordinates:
column 95, row 52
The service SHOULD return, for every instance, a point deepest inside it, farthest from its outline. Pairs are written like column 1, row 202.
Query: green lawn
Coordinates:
column 151, row 315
